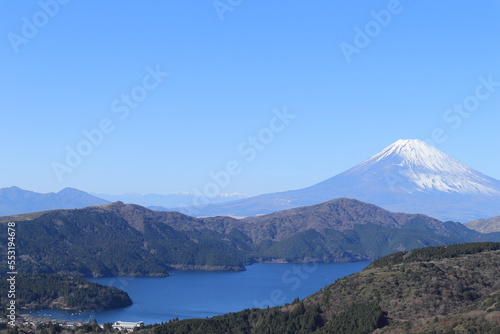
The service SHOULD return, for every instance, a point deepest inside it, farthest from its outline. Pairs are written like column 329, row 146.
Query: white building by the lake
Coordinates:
column 121, row 325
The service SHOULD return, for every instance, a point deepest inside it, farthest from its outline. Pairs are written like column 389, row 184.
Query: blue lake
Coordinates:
column 200, row 294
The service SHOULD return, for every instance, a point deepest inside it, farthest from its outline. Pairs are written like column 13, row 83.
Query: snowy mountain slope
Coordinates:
column 409, row 176
column 425, row 168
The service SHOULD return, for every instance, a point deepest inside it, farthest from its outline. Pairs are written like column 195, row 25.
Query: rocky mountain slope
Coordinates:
column 489, row 225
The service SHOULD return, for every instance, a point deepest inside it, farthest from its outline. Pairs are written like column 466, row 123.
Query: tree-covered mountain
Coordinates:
column 98, row 242
column 450, row 289
column 14, row 200
column 35, row 291
column 119, row 239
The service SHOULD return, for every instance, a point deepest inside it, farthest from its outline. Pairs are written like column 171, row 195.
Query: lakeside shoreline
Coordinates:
column 199, row 294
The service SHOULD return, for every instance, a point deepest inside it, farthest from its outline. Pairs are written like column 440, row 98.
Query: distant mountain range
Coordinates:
column 407, row 176
column 14, row 200
column 164, row 202
column 129, row 240
column 489, row 225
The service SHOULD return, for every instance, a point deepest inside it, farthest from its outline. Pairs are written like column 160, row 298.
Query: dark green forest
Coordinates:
column 448, row 289
column 434, row 290
column 129, row 240
column 62, row 292
column 434, row 253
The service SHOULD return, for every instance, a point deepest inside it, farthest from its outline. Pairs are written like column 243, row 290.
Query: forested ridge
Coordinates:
column 432, row 290
column 62, row 292
column 438, row 290
column 129, row 240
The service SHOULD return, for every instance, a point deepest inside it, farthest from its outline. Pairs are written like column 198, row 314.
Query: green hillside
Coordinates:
column 129, row 240
column 62, row 292
column 434, row 290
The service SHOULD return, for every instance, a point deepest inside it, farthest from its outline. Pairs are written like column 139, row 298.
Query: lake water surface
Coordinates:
column 200, row 294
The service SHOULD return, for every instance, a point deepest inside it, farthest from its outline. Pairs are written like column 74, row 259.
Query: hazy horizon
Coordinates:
column 157, row 98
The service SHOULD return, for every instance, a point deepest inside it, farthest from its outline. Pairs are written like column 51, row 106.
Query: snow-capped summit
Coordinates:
column 409, row 176
column 422, row 167
column 418, row 153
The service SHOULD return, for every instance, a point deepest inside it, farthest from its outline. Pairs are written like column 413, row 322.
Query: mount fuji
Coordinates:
column 409, row 176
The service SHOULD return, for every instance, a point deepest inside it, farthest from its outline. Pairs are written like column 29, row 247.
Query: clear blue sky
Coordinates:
column 64, row 70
